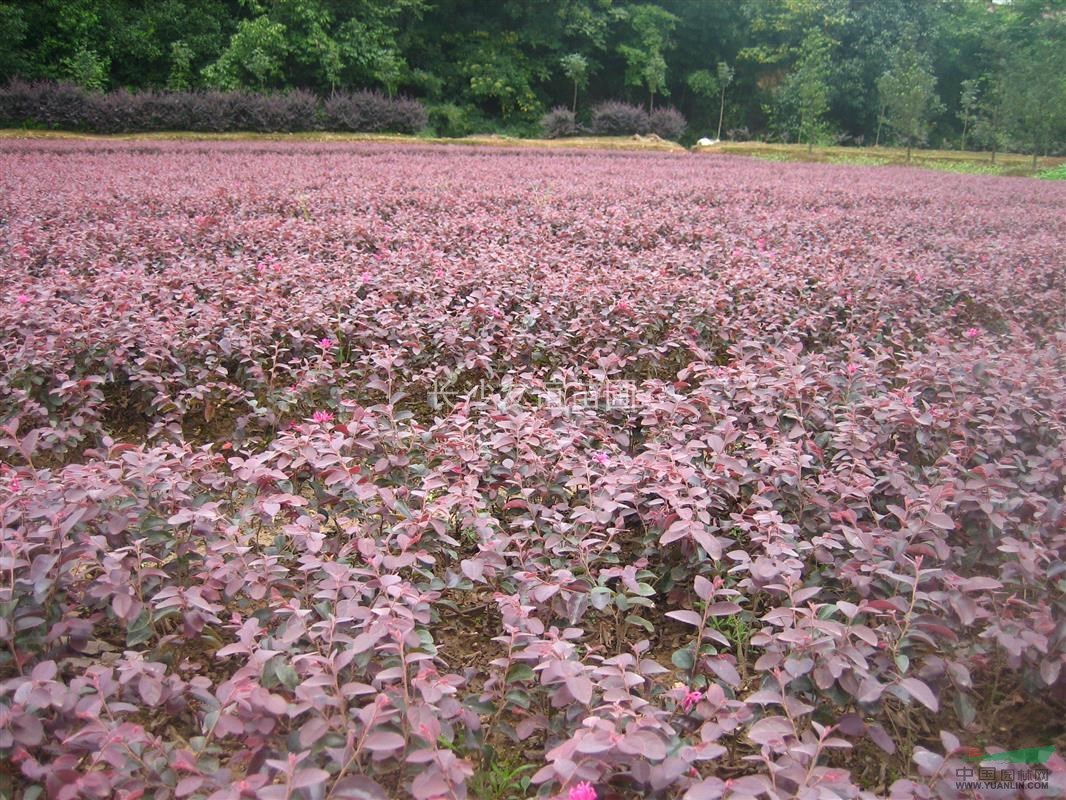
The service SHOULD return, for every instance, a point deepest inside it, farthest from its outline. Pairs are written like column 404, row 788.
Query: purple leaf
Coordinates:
column 383, row 742
column 920, row 692
column 770, row 731
column 688, row 617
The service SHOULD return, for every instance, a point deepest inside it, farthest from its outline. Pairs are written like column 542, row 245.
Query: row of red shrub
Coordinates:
column 614, row 118
column 69, row 107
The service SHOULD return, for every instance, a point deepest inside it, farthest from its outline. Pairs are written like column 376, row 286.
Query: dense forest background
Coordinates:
column 979, row 73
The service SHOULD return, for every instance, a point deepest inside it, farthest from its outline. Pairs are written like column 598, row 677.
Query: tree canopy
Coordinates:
column 799, row 69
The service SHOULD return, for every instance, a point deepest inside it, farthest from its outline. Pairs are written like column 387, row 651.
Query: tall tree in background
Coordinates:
column 725, row 77
column 810, row 84
column 576, row 69
column 373, row 50
column 1036, row 95
column 13, row 29
column 254, row 57
column 908, row 93
column 711, row 86
column 990, row 124
column 969, row 103
column 645, row 50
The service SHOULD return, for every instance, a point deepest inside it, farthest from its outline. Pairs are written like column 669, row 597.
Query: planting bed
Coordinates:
column 335, row 472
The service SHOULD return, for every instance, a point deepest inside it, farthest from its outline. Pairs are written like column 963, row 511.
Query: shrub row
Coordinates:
column 616, row 119
column 65, row 106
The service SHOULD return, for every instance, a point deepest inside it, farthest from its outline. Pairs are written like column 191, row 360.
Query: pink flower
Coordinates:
column 583, row 791
column 691, row 698
column 852, row 369
column 322, row 417
column 23, row 299
column 326, row 343
column 365, row 277
column 600, row 457
column 438, row 273
column 973, row 333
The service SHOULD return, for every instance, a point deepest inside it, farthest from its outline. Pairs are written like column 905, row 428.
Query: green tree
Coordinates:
column 1035, row 90
column 990, row 119
column 703, row 84
column 969, row 103
column 644, row 52
column 180, row 76
column 725, row 77
column 498, row 70
column 908, row 94
column 86, row 68
column 312, row 56
column 167, row 42
column 712, row 85
column 809, row 83
column 13, row 29
column 373, row 48
column 576, row 69
column 254, row 58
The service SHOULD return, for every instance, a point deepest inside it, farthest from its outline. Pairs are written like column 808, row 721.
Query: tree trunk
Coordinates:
column 962, row 144
column 651, row 101
column 573, row 108
column 877, row 139
column 721, row 114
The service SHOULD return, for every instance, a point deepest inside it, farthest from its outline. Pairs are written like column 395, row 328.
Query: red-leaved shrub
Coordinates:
column 69, row 107
column 614, row 118
column 332, row 472
column 669, row 123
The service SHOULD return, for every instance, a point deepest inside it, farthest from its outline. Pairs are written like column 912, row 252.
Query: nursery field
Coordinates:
column 336, row 471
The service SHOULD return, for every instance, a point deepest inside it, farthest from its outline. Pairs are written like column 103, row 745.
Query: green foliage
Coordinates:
column 450, row 121
column 498, row 71
column 999, row 67
column 254, row 57
column 576, row 68
column 703, row 82
column 13, row 28
column 969, row 102
column 724, row 74
column 991, row 114
column 369, row 42
column 86, row 68
column 645, row 49
column 908, row 93
column 1054, row 174
column 803, row 98
column 181, row 76
column 963, row 167
column 311, row 46
column 502, row 780
column 1035, row 87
